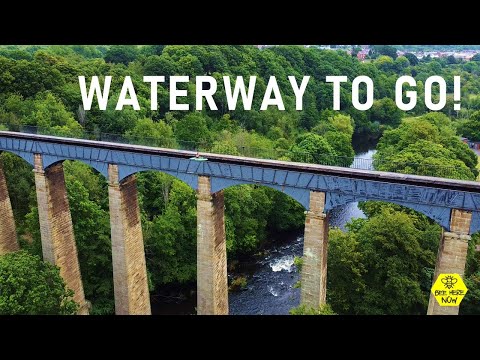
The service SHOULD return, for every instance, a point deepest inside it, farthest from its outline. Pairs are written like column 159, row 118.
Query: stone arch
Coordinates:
column 101, row 167
column 125, row 171
column 301, row 199
column 27, row 156
column 441, row 215
column 302, row 196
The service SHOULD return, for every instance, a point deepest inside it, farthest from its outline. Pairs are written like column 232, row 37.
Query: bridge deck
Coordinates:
column 373, row 175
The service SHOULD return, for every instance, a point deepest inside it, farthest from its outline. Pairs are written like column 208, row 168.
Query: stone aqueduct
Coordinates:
column 454, row 204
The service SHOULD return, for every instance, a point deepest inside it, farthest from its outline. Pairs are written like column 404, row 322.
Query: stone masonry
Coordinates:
column 130, row 281
column 56, row 229
column 212, row 283
column 8, row 234
column 452, row 256
column 314, row 267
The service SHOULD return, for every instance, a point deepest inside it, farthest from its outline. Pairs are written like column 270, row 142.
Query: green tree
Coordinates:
column 190, row 65
column 346, row 269
column 341, row 144
column 386, row 50
column 225, row 147
column 471, row 303
column 426, row 146
column 154, row 192
column 322, row 310
column 397, row 254
column 314, row 149
column 29, row 78
column 426, row 158
column 29, row 286
column 412, row 59
column 163, row 64
column 152, row 49
column 451, row 60
column 116, row 122
column 386, row 112
column 50, row 115
column 148, row 132
column 385, row 64
column 470, row 128
column 356, row 50
column 336, row 123
column 121, row 54
column 247, row 210
column 20, row 183
column 192, row 130
column 286, row 208
column 170, row 238
column 401, row 63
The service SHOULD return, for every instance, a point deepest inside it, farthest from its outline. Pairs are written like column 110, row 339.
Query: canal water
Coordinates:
column 271, row 276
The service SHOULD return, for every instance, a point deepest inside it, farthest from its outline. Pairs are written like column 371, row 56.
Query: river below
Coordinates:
column 271, row 275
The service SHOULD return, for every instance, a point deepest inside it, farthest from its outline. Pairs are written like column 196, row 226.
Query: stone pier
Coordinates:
column 452, row 256
column 56, row 229
column 315, row 247
column 130, row 281
column 212, row 283
column 8, row 233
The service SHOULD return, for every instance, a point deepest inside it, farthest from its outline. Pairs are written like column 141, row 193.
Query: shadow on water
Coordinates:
column 271, row 275
column 174, row 300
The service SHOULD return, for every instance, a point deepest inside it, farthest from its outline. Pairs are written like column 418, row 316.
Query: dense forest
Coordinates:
column 388, row 258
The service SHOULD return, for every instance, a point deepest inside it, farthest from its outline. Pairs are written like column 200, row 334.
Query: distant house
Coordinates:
column 362, row 55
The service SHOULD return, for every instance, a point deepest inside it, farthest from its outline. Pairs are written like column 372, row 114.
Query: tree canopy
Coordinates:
column 29, row 286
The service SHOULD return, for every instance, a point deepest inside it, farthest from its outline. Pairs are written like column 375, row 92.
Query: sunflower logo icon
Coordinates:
column 449, row 281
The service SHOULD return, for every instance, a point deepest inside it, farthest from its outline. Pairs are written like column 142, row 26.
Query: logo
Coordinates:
column 449, row 290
